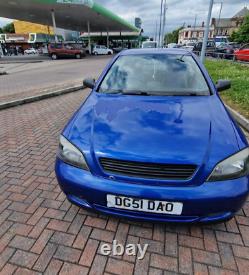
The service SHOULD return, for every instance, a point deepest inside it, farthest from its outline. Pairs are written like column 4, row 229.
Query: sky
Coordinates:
column 178, row 13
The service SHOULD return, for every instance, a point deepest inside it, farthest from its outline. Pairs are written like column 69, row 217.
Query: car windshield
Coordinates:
column 150, row 44
column 155, row 74
column 190, row 44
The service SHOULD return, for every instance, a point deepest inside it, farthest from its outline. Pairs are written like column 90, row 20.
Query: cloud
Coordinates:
column 178, row 13
column 4, row 21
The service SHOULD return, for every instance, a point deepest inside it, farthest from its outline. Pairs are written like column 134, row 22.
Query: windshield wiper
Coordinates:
column 186, row 93
column 126, row 92
column 178, row 93
column 144, row 93
column 135, row 92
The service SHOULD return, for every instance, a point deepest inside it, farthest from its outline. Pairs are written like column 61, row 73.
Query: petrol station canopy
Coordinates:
column 69, row 14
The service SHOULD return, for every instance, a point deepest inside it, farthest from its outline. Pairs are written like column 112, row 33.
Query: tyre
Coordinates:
column 54, row 56
column 109, row 53
column 78, row 56
column 95, row 53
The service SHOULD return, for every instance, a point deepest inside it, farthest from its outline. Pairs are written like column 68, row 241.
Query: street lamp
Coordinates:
column 164, row 21
column 204, row 44
column 160, row 27
column 218, row 25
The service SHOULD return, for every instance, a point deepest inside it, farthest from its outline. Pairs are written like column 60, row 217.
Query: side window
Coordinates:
column 58, row 46
column 210, row 44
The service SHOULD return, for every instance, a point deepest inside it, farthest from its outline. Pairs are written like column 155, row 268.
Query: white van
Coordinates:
column 220, row 40
column 101, row 50
column 149, row 44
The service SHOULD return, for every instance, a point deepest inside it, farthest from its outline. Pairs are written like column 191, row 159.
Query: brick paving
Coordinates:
column 42, row 233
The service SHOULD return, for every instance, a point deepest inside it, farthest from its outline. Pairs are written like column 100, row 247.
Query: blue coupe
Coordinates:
column 153, row 141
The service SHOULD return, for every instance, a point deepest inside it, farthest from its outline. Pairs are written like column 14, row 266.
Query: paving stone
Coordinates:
column 42, row 233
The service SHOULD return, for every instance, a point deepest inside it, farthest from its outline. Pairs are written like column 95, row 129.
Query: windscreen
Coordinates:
column 163, row 74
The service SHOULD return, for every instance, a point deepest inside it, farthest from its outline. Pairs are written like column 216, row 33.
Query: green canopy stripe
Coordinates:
column 105, row 12
column 95, row 7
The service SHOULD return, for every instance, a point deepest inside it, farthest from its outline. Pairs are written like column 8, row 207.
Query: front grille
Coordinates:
column 148, row 170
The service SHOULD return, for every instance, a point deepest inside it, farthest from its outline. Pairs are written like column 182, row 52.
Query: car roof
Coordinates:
column 155, row 51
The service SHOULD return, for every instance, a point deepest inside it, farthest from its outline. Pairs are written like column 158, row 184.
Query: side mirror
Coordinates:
column 89, row 83
column 223, row 85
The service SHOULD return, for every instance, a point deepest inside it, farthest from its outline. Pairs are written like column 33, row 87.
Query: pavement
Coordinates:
column 23, row 58
column 42, row 233
column 29, row 79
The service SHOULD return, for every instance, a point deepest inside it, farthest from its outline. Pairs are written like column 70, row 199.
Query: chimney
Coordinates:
column 203, row 24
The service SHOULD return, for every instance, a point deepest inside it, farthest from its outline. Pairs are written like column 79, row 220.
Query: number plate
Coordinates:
column 151, row 206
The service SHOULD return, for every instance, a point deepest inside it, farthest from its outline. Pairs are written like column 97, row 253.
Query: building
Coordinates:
column 78, row 15
column 191, row 34
column 114, row 39
column 14, row 40
column 226, row 26
column 23, row 38
column 219, row 27
column 43, row 31
column 23, row 27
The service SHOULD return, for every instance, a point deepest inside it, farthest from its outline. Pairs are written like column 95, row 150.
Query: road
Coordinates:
column 41, row 232
column 26, row 79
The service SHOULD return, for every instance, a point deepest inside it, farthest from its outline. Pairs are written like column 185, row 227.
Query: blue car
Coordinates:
column 153, row 141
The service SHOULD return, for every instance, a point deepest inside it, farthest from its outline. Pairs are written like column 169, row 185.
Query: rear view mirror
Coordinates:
column 223, row 85
column 89, row 83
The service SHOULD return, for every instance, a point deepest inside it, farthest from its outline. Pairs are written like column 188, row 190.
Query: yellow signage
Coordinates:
column 23, row 27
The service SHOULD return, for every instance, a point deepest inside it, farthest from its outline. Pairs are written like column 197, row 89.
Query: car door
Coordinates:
column 245, row 53
column 210, row 47
column 68, row 50
column 97, row 49
column 59, row 50
column 103, row 50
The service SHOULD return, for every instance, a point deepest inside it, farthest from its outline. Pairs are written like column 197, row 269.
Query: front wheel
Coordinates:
column 95, row 53
column 54, row 56
column 109, row 53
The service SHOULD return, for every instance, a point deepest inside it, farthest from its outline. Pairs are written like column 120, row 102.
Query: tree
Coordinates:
column 242, row 35
column 173, row 36
column 9, row 28
column 1, row 30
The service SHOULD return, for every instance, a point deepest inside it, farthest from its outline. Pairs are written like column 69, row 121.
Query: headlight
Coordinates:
column 234, row 167
column 70, row 154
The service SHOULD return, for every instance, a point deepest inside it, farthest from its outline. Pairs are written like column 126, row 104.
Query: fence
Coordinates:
column 236, row 57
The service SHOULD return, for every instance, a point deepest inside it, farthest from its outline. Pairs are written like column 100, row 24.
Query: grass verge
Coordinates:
column 238, row 96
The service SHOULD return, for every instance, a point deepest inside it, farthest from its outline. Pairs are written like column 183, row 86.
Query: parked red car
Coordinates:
column 65, row 51
column 243, row 53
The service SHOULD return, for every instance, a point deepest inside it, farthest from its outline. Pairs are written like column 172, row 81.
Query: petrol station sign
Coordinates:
column 88, row 3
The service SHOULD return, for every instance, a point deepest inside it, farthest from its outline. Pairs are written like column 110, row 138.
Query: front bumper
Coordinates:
column 209, row 202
